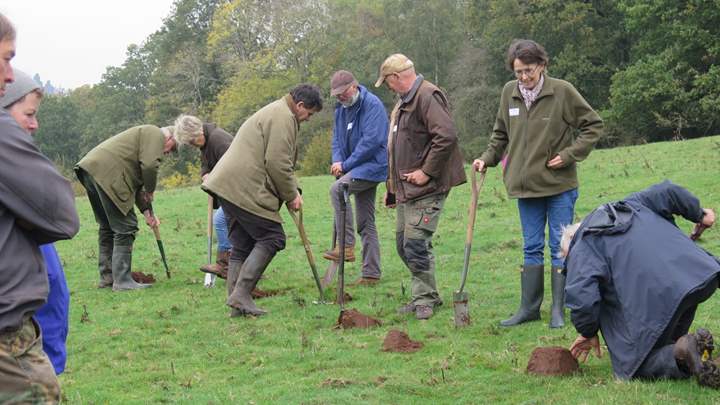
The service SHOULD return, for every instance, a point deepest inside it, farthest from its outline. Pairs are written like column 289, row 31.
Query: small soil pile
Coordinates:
column 397, row 341
column 140, row 277
column 351, row 318
column 553, row 360
column 258, row 293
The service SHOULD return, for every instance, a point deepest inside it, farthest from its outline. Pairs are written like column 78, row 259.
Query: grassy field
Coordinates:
column 174, row 343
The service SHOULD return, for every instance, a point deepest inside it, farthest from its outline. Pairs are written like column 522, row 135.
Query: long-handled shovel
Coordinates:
column 341, row 237
column 298, row 219
column 460, row 298
column 156, row 231
column 332, row 267
column 209, row 278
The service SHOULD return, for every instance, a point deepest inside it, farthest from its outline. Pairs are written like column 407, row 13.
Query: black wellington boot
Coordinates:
column 531, row 283
column 557, row 313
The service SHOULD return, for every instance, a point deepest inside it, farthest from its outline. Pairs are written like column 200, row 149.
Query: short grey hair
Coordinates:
column 568, row 232
column 187, row 129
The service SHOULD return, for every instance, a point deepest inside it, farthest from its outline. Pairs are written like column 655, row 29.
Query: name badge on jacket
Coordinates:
column 514, row 112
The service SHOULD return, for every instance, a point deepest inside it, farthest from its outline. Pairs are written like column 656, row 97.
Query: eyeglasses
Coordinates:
column 527, row 72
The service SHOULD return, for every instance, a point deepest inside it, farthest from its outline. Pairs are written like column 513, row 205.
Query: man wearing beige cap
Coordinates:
column 359, row 156
column 424, row 164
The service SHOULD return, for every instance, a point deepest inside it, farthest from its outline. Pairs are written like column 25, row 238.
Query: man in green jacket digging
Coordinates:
column 252, row 180
column 121, row 170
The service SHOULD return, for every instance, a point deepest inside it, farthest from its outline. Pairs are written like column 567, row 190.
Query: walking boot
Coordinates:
column 121, row 270
column 253, row 267
column 557, row 313
column 334, row 254
column 220, row 267
column 105, row 253
column 531, row 285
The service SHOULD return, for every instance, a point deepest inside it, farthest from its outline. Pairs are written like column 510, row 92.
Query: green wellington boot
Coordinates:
column 531, row 284
column 557, row 313
column 121, row 270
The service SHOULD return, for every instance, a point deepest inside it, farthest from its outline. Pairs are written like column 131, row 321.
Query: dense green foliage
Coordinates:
column 650, row 67
column 174, row 343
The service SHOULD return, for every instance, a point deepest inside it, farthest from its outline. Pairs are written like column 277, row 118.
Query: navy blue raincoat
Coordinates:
column 360, row 138
column 629, row 267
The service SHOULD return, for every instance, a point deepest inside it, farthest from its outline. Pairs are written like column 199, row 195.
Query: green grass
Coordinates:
column 174, row 343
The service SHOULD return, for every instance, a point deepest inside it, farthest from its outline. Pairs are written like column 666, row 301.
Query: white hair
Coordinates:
column 187, row 129
column 568, row 232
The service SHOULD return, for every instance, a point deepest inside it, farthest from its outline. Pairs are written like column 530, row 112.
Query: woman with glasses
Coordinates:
column 543, row 127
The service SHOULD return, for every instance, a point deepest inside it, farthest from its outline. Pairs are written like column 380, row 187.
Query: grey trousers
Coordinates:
column 364, row 192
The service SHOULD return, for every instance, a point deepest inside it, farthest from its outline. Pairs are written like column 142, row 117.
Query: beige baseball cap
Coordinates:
column 394, row 63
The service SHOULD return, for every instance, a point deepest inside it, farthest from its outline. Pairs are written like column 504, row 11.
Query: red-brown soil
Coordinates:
column 552, row 360
column 141, row 277
column 397, row 341
column 258, row 293
column 351, row 318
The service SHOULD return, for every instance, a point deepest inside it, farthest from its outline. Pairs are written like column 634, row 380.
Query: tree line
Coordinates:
column 649, row 67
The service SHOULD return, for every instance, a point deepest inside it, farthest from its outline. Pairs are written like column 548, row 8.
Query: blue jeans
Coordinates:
column 556, row 211
column 221, row 230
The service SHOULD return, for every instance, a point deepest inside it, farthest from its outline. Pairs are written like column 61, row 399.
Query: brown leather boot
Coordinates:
column 220, row 267
column 334, row 254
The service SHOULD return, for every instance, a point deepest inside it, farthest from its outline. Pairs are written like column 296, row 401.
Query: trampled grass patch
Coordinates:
column 174, row 343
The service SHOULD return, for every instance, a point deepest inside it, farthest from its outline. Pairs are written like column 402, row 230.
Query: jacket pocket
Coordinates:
column 122, row 188
column 268, row 197
column 413, row 191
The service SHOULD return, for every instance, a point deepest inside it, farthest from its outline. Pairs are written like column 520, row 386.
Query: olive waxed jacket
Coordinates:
column 125, row 164
column 424, row 137
column 560, row 122
column 257, row 173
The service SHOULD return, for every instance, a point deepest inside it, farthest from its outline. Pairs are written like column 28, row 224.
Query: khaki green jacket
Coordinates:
column 257, row 173
column 560, row 122
column 126, row 163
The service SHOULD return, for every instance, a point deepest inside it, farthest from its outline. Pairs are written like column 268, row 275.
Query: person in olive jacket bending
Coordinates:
column 252, row 181
column 121, row 170
column 535, row 129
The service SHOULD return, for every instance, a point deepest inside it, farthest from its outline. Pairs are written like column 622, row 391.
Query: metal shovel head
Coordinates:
column 460, row 303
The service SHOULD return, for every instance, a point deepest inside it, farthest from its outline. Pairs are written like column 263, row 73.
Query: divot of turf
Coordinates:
column 398, row 341
column 351, row 318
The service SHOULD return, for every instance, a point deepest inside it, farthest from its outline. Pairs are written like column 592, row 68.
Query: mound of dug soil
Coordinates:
column 397, row 341
column 351, row 318
column 552, row 360
column 141, row 277
column 258, row 293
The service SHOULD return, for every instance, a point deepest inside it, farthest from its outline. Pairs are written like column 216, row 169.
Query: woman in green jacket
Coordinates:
column 543, row 127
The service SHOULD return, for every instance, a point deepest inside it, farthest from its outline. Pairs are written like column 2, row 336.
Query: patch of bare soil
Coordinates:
column 141, row 277
column 397, row 341
column 351, row 318
column 553, row 360
column 258, row 293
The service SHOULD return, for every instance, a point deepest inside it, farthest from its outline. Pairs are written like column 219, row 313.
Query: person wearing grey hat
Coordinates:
column 424, row 164
column 359, row 156
column 22, row 100
column 38, row 207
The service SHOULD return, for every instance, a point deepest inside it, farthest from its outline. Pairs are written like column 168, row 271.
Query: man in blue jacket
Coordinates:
column 359, row 156
column 636, row 277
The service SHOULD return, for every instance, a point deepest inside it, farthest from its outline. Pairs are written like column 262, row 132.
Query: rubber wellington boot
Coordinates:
column 531, row 284
column 121, row 270
column 105, row 253
column 253, row 267
column 232, row 277
column 557, row 313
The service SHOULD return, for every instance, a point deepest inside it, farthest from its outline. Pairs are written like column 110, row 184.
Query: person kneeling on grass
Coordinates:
column 636, row 277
